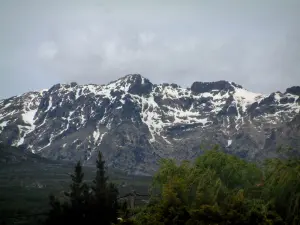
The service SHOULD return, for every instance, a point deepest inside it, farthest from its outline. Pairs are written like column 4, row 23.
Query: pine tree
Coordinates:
column 100, row 181
column 86, row 205
column 56, row 213
column 77, row 187
column 105, row 195
column 77, row 196
column 74, row 209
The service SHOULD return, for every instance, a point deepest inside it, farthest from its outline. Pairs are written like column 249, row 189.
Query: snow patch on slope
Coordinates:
column 28, row 118
column 229, row 142
column 3, row 124
column 246, row 98
column 50, row 104
column 97, row 138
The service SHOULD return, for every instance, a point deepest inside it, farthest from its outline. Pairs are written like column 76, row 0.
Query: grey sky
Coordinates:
column 251, row 42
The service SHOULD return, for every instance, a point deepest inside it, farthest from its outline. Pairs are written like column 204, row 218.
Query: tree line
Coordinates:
column 217, row 188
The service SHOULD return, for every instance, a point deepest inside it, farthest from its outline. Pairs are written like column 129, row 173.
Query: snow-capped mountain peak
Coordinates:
column 135, row 122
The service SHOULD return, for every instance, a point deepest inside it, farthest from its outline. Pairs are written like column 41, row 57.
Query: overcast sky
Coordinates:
column 255, row 43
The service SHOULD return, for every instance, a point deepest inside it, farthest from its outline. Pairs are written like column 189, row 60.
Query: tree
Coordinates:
column 55, row 212
column 217, row 188
column 78, row 189
column 84, row 204
column 100, row 181
column 282, row 187
column 104, row 202
column 73, row 210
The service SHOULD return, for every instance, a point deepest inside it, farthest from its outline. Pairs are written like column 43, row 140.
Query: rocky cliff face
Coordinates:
column 135, row 123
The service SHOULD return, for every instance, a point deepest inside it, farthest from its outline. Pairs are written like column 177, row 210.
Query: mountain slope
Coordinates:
column 17, row 156
column 135, row 123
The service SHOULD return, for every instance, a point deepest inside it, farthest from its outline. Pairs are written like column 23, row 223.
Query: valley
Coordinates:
column 25, row 184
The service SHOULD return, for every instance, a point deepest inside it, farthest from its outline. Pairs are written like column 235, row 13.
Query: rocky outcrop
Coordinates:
column 202, row 87
column 294, row 90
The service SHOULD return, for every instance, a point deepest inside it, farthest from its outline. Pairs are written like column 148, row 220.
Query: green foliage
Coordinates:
column 232, row 171
column 23, row 202
column 217, row 188
column 100, row 181
column 282, row 187
column 74, row 208
column 86, row 205
column 208, row 180
column 77, row 187
column 104, row 196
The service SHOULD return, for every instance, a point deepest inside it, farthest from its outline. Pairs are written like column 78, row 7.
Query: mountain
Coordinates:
column 135, row 122
column 16, row 156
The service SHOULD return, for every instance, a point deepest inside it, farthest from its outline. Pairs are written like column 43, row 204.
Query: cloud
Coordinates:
column 254, row 43
column 47, row 50
column 146, row 38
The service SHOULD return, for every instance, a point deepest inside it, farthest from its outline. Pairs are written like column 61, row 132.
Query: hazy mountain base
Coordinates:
column 26, row 192
column 27, row 180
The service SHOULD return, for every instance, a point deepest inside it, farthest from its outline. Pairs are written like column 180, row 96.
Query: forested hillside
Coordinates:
column 216, row 188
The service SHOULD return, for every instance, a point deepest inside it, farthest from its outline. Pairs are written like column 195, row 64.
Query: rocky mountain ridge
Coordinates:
column 135, row 123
